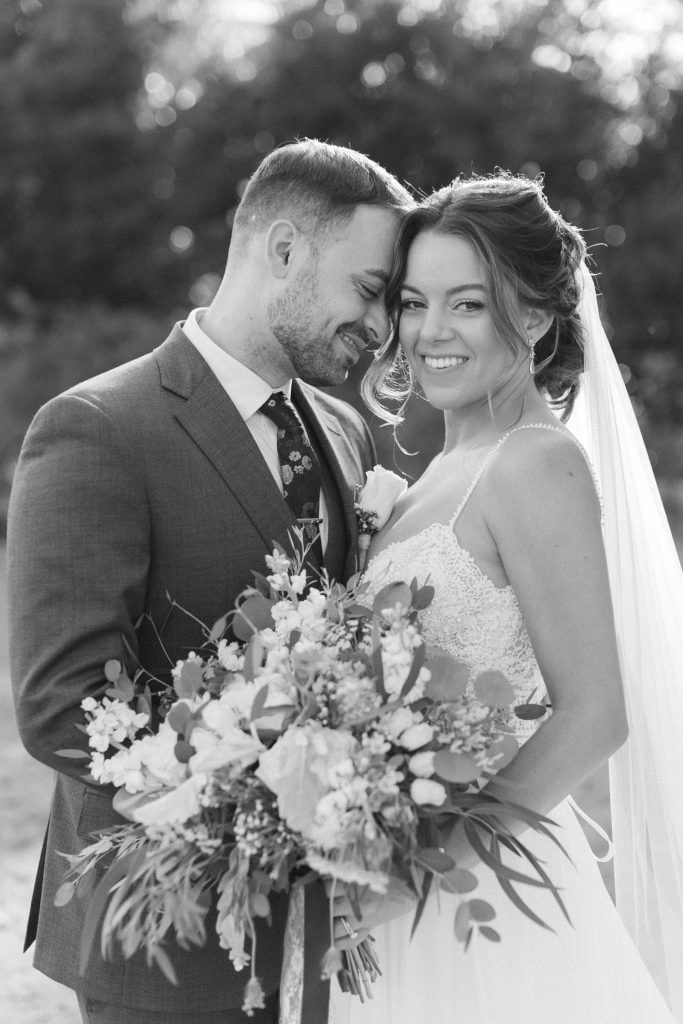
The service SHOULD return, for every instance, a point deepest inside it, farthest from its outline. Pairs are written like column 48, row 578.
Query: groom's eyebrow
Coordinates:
column 381, row 274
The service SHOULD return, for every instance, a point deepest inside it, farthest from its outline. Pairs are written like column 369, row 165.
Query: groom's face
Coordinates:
column 335, row 307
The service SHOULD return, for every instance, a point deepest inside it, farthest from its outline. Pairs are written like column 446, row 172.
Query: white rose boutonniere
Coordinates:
column 374, row 504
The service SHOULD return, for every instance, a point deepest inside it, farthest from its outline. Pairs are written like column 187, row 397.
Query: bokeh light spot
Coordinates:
column 373, row 75
column 615, row 235
column 302, row 29
column 587, row 170
column 181, row 239
column 347, row 24
column 203, row 290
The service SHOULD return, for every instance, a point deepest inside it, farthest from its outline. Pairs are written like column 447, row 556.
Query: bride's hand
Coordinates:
column 376, row 909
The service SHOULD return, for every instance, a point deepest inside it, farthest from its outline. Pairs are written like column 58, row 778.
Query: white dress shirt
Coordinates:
column 248, row 392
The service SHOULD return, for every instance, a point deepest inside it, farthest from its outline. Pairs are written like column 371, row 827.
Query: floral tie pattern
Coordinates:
column 299, row 466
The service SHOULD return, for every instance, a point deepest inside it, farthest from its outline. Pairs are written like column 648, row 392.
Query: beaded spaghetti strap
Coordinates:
column 489, row 457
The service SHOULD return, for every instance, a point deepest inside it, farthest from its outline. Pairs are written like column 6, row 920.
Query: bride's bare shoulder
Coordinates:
column 541, row 469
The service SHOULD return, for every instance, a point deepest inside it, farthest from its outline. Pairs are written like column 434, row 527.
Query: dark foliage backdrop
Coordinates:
column 128, row 128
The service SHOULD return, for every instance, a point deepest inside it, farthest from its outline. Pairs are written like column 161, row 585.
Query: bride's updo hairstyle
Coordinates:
column 528, row 253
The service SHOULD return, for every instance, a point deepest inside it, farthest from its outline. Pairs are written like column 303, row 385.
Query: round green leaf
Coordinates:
column 259, row 903
column 391, row 595
column 493, row 689
column 189, row 680
column 436, row 859
column 489, row 933
column 112, row 670
column 179, row 716
column 459, row 880
column 480, row 910
column 505, row 748
column 455, row 767
column 252, row 615
column 183, row 751
column 448, row 676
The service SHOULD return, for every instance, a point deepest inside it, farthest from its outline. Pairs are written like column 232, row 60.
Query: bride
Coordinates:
column 552, row 562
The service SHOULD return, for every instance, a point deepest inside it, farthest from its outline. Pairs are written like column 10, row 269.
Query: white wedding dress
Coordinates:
column 586, row 972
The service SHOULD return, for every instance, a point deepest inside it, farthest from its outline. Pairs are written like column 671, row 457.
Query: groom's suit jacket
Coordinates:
column 138, row 486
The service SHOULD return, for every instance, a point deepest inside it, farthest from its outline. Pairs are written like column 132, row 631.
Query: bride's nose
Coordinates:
column 434, row 326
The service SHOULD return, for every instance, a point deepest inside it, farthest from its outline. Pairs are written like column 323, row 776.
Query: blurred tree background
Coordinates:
column 129, row 127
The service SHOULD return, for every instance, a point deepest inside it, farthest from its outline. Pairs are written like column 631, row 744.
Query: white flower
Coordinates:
column 234, row 704
column 229, row 656
column 176, row 805
column 422, row 764
column 397, row 722
column 416, row 736
column 110, row 722
column 380, row 493
column 213, row 752
column 426, row 791
column 298, row 582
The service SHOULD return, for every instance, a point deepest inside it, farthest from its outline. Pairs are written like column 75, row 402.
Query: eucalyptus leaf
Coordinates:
column 459, row 880
column 449, row 676
column 480, row 910
column 423, row 597
column 489, row 933
column 391, row 595
column 183, row 751
column 64, row 894
column 529, row 712
column 462, row 922
column 504, row 749
column 189, row 680
column 452, row 767
column 80, row 754
column 112, row 670
column 251, row 616
column 259, row 904
column 494, row 689
column 218, row 629
column 436, row 860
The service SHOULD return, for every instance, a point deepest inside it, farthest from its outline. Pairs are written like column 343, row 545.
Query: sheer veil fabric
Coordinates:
column 646, row 774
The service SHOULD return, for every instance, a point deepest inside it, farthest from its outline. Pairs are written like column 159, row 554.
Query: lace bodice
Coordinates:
column 470, row 617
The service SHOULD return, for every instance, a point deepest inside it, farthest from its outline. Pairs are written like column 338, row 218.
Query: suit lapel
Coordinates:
column 212, row 421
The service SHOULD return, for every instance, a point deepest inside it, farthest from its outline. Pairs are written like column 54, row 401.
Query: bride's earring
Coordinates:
column 532, row 365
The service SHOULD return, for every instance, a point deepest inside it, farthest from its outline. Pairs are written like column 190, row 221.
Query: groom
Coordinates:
column 162, row 478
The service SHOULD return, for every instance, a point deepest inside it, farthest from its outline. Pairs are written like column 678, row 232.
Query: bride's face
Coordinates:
column 446, row 325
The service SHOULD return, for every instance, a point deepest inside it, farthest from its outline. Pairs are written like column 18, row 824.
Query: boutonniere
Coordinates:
column 374, row 503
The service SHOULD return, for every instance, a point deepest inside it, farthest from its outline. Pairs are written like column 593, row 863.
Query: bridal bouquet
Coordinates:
column 325, row 738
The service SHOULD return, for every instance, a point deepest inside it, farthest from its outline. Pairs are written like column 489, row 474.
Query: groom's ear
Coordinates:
column 537, row 322
column 282, row 240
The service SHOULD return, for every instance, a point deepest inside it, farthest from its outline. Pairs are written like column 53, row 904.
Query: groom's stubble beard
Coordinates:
column 306, row 341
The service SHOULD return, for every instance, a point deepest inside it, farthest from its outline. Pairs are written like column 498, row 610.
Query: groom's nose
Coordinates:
column 377, row 324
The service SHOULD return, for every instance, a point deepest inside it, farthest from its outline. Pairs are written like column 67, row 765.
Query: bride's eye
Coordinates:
column 411, row 305
column 468, row 306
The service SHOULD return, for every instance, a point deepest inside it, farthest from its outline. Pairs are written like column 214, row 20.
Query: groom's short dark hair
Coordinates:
column 317, row 185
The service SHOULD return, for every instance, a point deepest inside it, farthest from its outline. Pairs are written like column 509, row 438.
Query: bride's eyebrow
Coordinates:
column 451, row 291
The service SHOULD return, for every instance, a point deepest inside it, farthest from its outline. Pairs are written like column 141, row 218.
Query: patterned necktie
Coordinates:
column 299, row 466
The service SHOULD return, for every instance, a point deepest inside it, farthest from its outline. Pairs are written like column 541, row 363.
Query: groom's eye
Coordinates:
column 368, row 291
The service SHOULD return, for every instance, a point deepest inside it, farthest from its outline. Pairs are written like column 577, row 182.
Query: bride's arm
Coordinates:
column 543, row 515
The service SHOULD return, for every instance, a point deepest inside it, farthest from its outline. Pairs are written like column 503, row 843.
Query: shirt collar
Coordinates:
column 245, row 388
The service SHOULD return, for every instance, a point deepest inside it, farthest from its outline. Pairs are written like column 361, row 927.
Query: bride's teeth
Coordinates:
column 443, row 362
